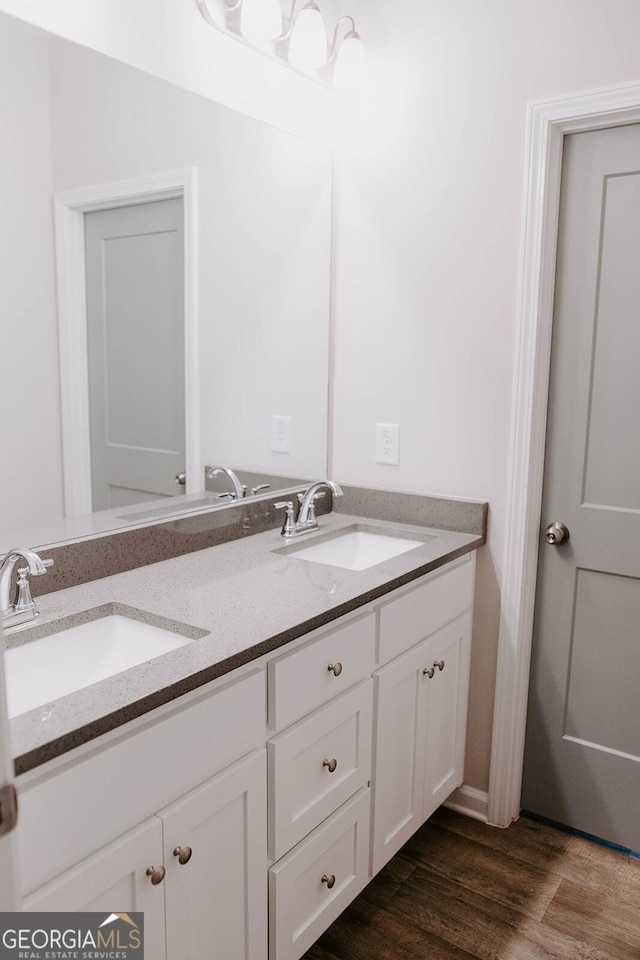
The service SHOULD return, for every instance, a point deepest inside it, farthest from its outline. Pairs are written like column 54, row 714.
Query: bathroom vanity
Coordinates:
column 248, row 809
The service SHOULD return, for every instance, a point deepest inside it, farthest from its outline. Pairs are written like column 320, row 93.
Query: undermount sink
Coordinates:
column 357, row 548
column 42, row 670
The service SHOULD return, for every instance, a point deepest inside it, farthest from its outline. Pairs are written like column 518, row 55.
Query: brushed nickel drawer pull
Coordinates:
column 439, row 664
column 330, row 764
column 156, row 874
column 183, row 854
column 429, row 672
column 329, row 880
column 335, row 669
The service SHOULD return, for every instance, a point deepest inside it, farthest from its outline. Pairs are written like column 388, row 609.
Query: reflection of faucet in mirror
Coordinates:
column 239, row 491
column 23, row 609
column 307, row 520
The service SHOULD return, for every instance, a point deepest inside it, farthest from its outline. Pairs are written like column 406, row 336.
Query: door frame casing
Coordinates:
column 547, row 123
column 69, row 209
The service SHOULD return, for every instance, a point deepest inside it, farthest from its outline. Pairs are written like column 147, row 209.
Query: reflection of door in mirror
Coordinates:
column 135, row 341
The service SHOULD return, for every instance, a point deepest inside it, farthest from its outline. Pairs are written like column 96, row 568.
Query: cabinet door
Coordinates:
column 447, row 694
column 216, row 901
column 114, row 880
column 398, row 777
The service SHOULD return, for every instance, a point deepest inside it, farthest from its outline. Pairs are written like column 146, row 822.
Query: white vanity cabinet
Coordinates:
column 275, row 793
column 421, row 706
column 197, row 865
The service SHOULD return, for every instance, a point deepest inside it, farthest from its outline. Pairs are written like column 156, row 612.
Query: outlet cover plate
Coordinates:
column 280, row 434
column 388, row 443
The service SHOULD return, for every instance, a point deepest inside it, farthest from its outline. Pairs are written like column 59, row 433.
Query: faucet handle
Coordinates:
column 289, row 525
column 261, row 486
column 23, row 571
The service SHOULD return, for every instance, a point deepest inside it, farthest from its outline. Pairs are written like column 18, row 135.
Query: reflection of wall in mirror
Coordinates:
column 31, row 476
column 264, row 254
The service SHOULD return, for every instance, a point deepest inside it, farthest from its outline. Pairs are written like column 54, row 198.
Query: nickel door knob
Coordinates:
column 557, row 533
column 335, row 669
column 329, row 879
column 181, row 478
column 183, row 854
column 330, row 765
column 156, row 874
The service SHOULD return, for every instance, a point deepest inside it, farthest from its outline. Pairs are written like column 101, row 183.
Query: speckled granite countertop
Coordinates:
column 249, row 599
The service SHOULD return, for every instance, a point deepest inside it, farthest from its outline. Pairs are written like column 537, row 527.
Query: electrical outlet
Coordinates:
column 388, row 443
column 280, row 434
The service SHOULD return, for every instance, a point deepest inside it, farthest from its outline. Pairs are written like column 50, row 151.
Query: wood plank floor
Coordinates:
column 460, row 890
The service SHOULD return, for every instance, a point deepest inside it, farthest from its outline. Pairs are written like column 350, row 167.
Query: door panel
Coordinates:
column 582, row 753
column 135, row 335
column 448, row 693
column 217, row 899
column 614, row 440
column 114, row 879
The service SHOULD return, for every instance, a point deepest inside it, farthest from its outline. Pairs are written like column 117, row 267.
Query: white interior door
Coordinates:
column 135, row 343
column 582, row 756
column 8, row 880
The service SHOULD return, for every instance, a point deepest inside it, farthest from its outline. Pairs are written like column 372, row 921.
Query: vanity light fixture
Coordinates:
column 301, row 43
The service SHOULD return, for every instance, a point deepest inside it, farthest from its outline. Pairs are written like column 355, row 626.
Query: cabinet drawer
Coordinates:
column 126, row 781
column 305, row 785
column 420, row 612
column 302, row 680
column 301, row 904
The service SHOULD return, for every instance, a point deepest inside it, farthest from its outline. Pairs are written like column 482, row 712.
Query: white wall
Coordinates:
column 428, row 242
column 31, row 474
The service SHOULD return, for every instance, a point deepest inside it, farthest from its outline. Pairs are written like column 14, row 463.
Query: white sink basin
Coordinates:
column 43, row 670
column 357, row 549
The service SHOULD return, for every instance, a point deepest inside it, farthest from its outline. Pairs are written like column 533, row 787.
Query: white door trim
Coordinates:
column 69, row 209
column 547, row 123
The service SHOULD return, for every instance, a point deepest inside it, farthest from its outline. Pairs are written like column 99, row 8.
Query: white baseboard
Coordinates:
column 470, row 802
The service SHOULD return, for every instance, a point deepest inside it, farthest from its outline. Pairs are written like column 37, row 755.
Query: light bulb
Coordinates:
column 261, row 20
column 351, row 64
column 308, row 43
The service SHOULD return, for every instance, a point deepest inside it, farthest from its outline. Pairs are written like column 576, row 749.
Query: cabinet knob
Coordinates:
column 439, row 664
column 429, row 672
column 329, row 879
column 183, row 854
column 335, row 669
column 156, row 874
column 330, row 764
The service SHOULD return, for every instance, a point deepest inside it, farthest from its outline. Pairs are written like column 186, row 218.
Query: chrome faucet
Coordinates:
column 306, row 520
column 239, row 489
column 23, row 608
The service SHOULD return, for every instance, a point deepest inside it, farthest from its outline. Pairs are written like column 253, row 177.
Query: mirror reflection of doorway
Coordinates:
column 135, row 345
